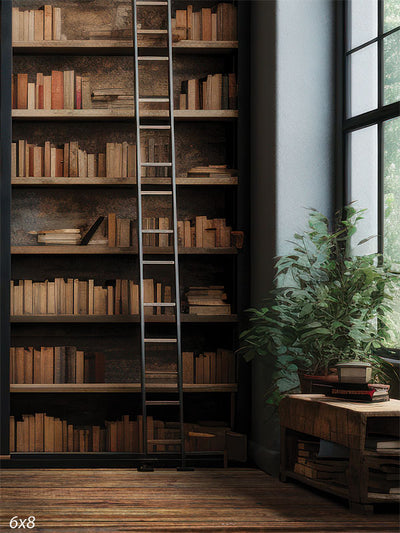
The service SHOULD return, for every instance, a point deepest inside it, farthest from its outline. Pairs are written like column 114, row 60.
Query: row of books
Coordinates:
column 207, row 300
column 204, row 233
column 76, row 297
column 69, row 161
column 209, row 367
column 43, row 24
column 208, row 24
column 216, row 91
column 42, row 433
column 58, row 364
column 61, row 90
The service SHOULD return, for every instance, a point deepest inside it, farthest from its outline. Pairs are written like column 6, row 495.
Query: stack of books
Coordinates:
column 42, row 24
column 384, row 467
column 209, row 24
column 309, row 464
column 205, row 233
column 58, row 236
column 208, row 301
column 112, row 98
column 211, row 171
column 58, row 364
column 353, row 384
column 216, row 91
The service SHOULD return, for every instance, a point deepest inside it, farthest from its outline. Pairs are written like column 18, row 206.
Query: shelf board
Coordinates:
column 199, row 115
column 122, row 319
column 117, row 47
column 63, row 249
column 321, row 485
column 118, row 182
column 120, row 387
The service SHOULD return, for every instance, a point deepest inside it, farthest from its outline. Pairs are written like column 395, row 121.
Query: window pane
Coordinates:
column 391, row 15
column 391, row 47
column 364, row 21
column 363, row 80
column 363, row 149
column 391, row 137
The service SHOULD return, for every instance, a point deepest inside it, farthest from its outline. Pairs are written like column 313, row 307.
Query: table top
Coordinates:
column 390, row 408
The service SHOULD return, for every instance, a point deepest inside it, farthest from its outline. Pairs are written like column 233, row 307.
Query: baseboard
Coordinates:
column 265, row 458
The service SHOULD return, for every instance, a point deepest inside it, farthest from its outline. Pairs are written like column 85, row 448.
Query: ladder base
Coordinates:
column 145, row 468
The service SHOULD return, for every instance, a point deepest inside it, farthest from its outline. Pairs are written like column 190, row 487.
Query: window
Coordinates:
column 372, row 125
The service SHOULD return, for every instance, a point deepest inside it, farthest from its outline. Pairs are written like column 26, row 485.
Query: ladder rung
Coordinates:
column 164, row 441
column 161, row 341
column 157, row 193
column 152, row 32
column 151, row 3
column 163, row 402
column 156, row 164
column 155, row 127
column 157, row 99
column 159, row 304
column 147, row 262
column 153, row 58
column 157, row 231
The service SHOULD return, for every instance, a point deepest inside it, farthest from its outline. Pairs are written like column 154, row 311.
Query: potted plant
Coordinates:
column 328, row 305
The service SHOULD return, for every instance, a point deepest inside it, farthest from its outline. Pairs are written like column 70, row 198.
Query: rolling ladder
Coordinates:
column 143, row 191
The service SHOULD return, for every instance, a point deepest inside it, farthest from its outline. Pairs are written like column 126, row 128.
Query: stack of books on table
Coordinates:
column 208, row 301
column 353, row 384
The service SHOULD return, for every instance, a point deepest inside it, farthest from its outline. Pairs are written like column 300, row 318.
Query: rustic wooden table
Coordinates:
column 344, row 423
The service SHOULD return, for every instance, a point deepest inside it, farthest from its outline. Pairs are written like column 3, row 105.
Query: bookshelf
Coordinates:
column 202, row 136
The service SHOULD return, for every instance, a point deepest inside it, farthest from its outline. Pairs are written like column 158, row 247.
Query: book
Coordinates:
column 22, row 91
column 57, row 90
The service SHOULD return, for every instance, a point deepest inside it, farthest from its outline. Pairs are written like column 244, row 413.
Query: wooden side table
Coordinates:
column 344, row 423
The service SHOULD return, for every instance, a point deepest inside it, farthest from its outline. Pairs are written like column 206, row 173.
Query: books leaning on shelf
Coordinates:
column 61, row 90
column 77, row 297
column 42, row 24
column 208, row 367
column 59, row 364
column 216, row 91
column 208, row 24
column 205, row 233
column 207, row 301
column 39, row 432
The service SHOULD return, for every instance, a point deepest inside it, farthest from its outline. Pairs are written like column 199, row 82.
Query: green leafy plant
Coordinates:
column 328, row 305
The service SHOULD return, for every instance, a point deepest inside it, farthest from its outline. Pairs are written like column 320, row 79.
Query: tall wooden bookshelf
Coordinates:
column 202, row 137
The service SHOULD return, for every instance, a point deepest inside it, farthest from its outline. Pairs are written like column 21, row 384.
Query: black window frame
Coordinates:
column 378, row 116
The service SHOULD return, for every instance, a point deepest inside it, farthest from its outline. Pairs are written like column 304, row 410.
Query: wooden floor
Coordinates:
column 122, row 500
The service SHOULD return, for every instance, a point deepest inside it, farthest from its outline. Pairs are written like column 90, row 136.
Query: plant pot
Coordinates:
column 311, row 384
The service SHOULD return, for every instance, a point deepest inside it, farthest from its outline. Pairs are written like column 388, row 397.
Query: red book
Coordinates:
column 78, row 92
column 22, row 91
column 57, row 90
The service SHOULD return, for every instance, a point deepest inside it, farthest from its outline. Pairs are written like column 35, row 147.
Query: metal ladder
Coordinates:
column 160, row 124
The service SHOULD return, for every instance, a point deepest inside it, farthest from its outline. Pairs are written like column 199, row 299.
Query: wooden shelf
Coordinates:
column 118, row 182
column 63, row 249
column 122, row 114
column 122, row 319
column 120, row 387
column 118, row 47
column 327, row 487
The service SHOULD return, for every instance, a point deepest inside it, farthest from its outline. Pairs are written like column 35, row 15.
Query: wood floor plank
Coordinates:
column 234, row 500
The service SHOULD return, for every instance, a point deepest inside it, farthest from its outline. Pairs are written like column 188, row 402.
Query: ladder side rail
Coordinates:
column 139, row 227
column 175, row 229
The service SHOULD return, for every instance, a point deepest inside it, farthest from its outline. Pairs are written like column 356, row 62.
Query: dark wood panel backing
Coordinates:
column 92, row 409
